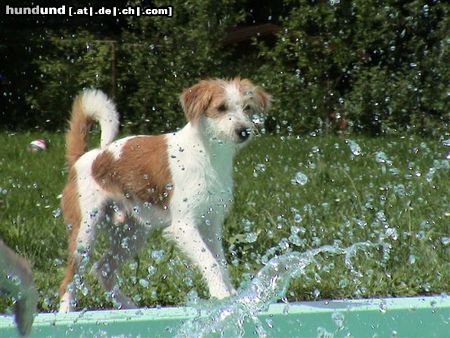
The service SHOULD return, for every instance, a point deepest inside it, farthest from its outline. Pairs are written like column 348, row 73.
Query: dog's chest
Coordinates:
column 202, row 181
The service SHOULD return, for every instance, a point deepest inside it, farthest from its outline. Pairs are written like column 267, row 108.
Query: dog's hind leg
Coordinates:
column 84, row 212
column 80, row 244
column 126, row 237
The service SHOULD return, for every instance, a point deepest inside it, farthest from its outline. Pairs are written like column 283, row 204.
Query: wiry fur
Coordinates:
column 181, row 182
column 92, row 105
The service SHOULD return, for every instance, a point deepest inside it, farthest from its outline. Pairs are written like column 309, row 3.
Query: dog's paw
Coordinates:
column 66, row 304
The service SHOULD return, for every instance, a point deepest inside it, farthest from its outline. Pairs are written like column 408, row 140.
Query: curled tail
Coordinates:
column 90, row 106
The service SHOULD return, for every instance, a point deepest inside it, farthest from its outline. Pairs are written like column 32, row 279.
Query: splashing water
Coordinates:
column 354, row 147
column 269, row 285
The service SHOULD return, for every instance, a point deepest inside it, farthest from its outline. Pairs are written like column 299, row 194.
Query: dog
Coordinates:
column 180, row 181
column 16, row 279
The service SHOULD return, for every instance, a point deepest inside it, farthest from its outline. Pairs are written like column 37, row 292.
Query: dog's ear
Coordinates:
column 195, row 100
column 260, row 99
column 263, row 99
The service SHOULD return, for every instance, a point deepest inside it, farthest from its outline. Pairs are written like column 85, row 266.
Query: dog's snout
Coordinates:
column 243, row 133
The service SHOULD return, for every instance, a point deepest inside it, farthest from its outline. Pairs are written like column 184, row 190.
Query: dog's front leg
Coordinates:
column 189, row 240
column 212, row 236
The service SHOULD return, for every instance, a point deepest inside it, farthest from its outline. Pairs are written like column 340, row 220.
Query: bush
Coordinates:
column 156, row 57
column 160, row 56
column 376, row 66
column 69, row 65
column 381, row 65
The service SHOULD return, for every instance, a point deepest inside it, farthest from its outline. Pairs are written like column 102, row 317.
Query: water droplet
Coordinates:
column 259, row 168
column 338, row 319
column 124, row 243
column 94, row 212
column 381, row 157
column 430, row 174
column 354, row 147
column 151, row 270
column 56, row 213
column 143, row 282
column 445, row 241
column 157, row 255
column 299, row 179
column 284, row 244
column 381, row 216
column 297, row 218
column 296, row 240
column 316, row 293
column 343, row 283
column 392, row 233
column 133, row 265
column 251, row 237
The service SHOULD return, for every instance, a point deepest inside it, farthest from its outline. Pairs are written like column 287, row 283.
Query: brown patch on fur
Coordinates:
column 263, row 99
column 142, row 170
column 76, row 136
column 196, row 99
column 103, row 171
column 72, row 215
column 259, row 99
column 217, row 99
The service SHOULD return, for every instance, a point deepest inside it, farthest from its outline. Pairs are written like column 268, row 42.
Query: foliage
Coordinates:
column 381, row 65
column 161, row 56
column 156, row 57
column 43, row 59
column 375, row 66
column 72, row 63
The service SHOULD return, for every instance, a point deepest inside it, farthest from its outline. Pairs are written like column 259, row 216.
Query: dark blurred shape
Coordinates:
column 16, row 280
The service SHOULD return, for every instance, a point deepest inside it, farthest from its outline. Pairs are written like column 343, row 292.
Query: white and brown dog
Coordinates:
column 180, row 181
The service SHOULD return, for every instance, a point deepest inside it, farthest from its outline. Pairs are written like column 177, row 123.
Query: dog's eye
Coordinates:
column 222, row 108
column 247, row 108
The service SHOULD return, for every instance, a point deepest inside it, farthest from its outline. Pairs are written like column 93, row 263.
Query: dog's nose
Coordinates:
column 243, row 133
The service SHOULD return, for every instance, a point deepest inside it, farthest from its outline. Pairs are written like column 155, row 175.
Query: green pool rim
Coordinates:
column 427, row 316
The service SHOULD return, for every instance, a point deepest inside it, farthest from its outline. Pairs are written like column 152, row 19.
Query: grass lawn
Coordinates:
column 292, row 193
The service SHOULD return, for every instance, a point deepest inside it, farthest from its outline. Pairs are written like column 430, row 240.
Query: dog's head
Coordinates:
column 224, row 109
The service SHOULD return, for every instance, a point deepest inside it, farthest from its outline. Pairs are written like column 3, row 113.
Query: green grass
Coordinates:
column 404, row 203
